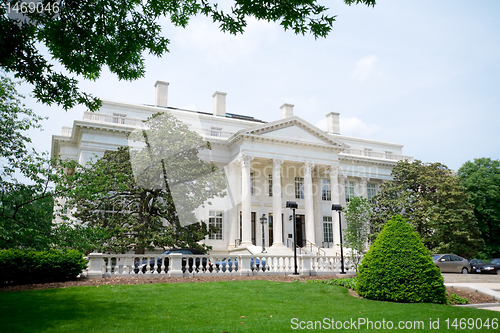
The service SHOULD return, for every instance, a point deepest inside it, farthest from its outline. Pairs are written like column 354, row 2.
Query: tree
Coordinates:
column 25, row 206
column 481, row 180
column 399, row 268
column 85, row 36
column 431, row 199
column 357, row 218
column 27, row 183
column 145, row 196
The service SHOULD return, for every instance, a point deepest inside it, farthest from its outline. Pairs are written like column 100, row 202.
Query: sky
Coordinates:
column 425, row 74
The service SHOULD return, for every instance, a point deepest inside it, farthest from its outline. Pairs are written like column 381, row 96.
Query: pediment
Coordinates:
column 294, row 132
column 293, row 129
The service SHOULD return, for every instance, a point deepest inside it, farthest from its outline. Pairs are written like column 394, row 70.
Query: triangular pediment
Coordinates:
column 293, row 129
column 294, row 132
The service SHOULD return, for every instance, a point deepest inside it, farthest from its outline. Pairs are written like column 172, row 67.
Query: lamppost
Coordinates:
column 263, row 220
column 293, row 205
column 339, row 209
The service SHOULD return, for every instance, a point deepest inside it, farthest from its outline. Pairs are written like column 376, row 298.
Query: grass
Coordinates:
column 237, row 306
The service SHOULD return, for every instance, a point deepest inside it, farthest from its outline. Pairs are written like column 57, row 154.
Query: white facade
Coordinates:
column 266, row 165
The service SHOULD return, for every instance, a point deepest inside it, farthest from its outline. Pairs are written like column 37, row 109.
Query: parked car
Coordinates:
column 232, row 264
column 491, row 266
column 450, row 263
column 473, row 263
column 186, row 264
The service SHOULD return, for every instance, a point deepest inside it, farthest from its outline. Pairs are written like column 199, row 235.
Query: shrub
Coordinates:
column 455, row 299
column 26, row 266
column 399, row 268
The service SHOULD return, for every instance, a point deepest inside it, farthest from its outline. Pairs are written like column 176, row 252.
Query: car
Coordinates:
column 450, row 263
column 473, row 263
column 231, row 264
column 186, row 264
column 491, row 266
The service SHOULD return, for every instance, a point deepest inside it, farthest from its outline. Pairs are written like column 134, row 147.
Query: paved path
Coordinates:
column 484, row 284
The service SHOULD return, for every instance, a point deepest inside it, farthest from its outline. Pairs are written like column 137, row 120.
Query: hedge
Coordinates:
column 399, row 268
column 26, row 266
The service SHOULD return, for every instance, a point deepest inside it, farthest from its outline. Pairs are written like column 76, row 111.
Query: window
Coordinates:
column 216, row 131
column 215, row 220
column 251, row 183
column 270, row 185
column 326, row 193
column 327, row 229
column 299, row 188
column 349, row 191
column 371, row 190
column 118, row 118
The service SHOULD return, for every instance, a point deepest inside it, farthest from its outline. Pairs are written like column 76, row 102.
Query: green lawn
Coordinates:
column 211, row 307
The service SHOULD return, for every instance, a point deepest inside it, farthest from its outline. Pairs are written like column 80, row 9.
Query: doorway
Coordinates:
column 253, row 214
column 301, row 230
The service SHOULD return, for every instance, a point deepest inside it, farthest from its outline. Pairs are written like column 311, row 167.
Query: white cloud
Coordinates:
column 356, row 127
column 204, row 37
column 365, row 68
column 352, row 127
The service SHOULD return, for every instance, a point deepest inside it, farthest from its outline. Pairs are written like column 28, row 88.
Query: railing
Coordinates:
column 120, row 120
column 178, row 265
column 319, row 251
column 66, row 131
column 290, row 243
column 374, row 154
column 117, row 120
column 327, row 245
column 213, row 133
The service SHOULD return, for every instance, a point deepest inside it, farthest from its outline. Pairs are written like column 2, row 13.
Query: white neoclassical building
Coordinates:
column 266, row 164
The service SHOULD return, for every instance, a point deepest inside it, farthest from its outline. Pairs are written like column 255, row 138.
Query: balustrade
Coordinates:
column 176, row 264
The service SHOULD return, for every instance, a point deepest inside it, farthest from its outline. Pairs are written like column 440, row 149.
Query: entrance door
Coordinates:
column 252, row 226
column 270, row 222
column 301, row 230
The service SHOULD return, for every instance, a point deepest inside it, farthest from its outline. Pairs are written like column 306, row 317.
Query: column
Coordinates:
column 232, row 171
column 309, row 205
column 246, row 201
column 277, row 207
column 363, row 188
column 336, row 191
column 341, row 200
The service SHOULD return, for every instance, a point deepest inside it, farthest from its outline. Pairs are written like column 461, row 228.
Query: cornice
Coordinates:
column 367, row 160
column 256, row 132
column 242, row 137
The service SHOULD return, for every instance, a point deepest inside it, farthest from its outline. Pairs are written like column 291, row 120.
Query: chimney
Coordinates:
column 219, row 103
column 332, row 121
column 286, row 110
column 161, row 93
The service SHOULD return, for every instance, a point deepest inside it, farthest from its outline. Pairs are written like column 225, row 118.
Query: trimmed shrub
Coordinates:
column 25, row 266
column 399, row 268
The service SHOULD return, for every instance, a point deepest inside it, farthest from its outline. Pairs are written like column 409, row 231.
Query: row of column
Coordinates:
column 277, row 204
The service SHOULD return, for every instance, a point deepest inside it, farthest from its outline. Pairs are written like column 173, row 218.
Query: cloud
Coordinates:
column 204, row 37
column 352, row 127
column 365, row 68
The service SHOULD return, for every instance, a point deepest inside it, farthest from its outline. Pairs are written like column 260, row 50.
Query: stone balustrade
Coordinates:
column 179, row 265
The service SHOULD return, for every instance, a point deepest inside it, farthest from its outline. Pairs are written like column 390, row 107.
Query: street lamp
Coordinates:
column 293, row 205
column 339, row 209
column 263, row 220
